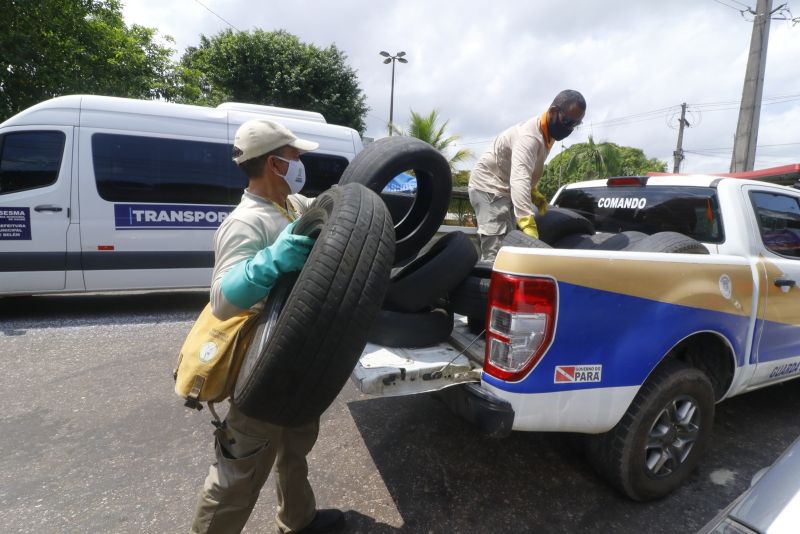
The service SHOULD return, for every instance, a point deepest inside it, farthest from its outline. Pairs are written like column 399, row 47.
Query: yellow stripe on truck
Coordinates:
column 711, row 284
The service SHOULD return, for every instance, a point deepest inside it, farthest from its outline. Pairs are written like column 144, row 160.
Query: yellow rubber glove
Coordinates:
column 528, row 225
column 539, row 200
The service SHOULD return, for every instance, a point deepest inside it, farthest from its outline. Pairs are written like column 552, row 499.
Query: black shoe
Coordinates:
column 327, row 520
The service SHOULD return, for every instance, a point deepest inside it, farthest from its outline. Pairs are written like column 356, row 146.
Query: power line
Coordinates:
column 217, row 15
column 659, row 113
column 733, row 7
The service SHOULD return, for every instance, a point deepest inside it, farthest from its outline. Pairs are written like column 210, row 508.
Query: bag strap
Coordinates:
column 219, row 423
column 192, row 398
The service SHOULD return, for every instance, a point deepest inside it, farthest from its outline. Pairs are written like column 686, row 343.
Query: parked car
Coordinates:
column 770, row 506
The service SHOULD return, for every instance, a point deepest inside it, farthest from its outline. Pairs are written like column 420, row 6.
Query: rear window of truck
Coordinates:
column 693, row 211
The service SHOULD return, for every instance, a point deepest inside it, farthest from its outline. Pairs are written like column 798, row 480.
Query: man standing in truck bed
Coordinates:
column 502, row 186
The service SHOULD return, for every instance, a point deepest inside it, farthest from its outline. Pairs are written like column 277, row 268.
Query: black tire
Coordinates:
column 379, row 162
column 670, row 242
column 517, row 238
column 576, row 241
column 312, row 332
column 560, row 222
column 476, row 324
column 411, row 330
column 398, row 204
column 627, row 455
column 471, row 297
column 601, row 240
column 432, row 274
column 482, row 269
column 621, row 241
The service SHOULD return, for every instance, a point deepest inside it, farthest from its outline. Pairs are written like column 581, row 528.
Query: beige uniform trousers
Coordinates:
column 495, row 218
column 246, row 450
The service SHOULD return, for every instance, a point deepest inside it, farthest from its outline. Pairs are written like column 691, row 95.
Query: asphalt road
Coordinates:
column 93, row 439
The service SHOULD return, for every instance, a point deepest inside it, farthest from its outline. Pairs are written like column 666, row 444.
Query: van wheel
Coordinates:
column 379, row 162
column 432, row 274
column 660, row 439
column 312, row 332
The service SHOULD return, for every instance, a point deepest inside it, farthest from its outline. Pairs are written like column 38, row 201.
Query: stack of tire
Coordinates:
column 416, row 311
column 565, row 229
column 314, row 325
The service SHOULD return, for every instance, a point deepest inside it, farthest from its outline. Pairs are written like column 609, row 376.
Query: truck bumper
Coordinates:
column 492, row 415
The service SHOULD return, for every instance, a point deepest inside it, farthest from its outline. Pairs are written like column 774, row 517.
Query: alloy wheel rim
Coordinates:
column 672, row 436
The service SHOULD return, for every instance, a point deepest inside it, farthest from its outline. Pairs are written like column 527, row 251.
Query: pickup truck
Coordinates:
column 632, row 348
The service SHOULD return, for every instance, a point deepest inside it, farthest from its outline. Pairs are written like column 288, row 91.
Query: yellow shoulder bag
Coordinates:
column 211, row 356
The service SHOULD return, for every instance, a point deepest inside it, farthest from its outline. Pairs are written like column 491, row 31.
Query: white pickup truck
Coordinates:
column 632, row 348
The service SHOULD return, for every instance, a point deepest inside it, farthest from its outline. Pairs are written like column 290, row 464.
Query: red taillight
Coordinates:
column 520, row 324
column 627, row 180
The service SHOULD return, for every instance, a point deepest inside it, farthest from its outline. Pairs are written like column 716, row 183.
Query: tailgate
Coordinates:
column 392, row 371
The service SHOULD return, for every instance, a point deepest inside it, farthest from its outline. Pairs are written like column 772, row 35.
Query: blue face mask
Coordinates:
column 295, row 175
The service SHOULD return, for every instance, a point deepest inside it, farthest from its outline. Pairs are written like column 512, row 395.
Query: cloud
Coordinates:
column 487, row 66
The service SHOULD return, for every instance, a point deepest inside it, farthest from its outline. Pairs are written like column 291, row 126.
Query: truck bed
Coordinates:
column 393, row 371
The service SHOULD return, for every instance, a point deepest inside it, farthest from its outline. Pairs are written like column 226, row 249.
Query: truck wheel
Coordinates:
column 660, row 439
column 312, row 331
column 518, row 238
column 672, row 242
column 379, row 162
column 397, row 329
column 560, row 222
column 432, row 274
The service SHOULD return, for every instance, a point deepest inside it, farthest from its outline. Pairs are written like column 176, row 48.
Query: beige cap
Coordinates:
column 259, row 136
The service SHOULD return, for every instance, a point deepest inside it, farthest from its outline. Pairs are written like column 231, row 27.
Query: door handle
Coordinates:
column 783, row 282
column 48, row 207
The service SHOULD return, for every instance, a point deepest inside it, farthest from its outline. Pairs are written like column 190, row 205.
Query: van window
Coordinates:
column 130, row 168
column 693, row 211
column 779, row 222
column 29, row 160
column 322, row 171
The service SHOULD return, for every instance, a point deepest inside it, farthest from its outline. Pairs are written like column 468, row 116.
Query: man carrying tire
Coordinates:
column 502, row 186
column 253, row 247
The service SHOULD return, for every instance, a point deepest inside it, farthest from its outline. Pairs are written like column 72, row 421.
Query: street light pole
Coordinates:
column 391, row 59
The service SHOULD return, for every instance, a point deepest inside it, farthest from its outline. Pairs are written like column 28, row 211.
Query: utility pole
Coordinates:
column 676, row 167
column 744, row 144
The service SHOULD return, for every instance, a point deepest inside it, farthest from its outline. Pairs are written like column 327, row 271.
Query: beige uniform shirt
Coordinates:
column 513, row 165
column 254, row 224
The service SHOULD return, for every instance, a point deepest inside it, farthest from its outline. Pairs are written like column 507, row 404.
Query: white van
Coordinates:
column 100, row 193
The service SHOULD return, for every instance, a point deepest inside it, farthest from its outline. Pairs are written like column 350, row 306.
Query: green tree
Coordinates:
column 428, row 129
column 590, row 160
column 273, row 68
column 57, row 47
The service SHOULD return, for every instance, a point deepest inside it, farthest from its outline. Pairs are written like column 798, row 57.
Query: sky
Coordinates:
column 488, row 65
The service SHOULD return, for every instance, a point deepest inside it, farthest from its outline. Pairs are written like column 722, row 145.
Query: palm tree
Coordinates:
column 597, row 160
column 427, row 129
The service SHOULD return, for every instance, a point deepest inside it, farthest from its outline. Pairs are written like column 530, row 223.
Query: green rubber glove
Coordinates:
column 528, row 226
column 250, row 280
column 539, row 200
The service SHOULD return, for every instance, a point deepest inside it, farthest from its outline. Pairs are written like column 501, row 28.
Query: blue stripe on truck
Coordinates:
column 627, row 335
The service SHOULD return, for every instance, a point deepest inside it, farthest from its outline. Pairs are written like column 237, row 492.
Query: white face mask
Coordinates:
column 295, row 175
